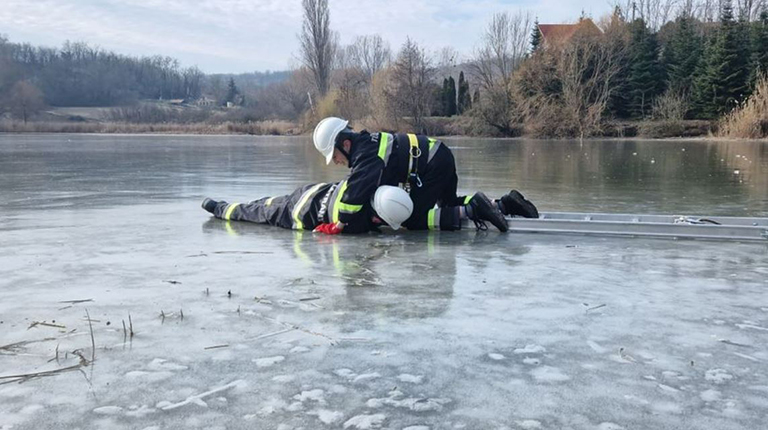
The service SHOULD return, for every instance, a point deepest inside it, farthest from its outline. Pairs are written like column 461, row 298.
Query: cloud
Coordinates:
column 244, row 35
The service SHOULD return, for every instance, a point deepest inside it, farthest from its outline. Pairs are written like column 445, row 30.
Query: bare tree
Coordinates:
column 504, row 47
column 411, row 86
column 655, row 13
column 749, row 10
column 563, row 91
column 370, row 53
column 318, row 43
column 586, row 68
column 447, row 57
column 25, row 100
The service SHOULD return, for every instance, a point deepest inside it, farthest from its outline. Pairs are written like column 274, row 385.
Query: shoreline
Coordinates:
column 294, row 129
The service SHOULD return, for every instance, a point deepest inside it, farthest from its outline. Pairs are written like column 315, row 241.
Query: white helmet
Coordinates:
column 393, row 205
column 325, row 135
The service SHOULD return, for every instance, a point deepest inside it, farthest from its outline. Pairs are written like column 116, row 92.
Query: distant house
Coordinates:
column 205, row 102
column 553, row 34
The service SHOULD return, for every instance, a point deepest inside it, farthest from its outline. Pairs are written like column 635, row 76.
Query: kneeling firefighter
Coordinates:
column 422, row 166
column 311, row 207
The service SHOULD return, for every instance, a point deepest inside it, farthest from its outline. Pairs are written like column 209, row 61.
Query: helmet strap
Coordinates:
column 343, row 151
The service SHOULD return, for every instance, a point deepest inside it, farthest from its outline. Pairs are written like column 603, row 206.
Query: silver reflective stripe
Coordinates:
column 332, row 202
column 434, row 145
column 385, row 147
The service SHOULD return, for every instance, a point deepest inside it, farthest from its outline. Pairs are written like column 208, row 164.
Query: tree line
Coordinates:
column 665, row 60
column 649, row 59
column 80, row 75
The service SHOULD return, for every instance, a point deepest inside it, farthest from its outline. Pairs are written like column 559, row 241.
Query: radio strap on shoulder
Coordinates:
column 414, row 152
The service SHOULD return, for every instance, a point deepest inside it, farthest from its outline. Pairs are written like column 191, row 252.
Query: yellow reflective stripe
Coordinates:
column 269, row 201
column 431, row 216
column 467, row 199
column 297, row 224
column 230, row 209
column 432, row 143
column 413, row 140
column 338, row 206
column 346, row 207
column 383, row 143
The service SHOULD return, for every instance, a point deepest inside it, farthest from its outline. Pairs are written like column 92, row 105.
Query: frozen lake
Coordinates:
column 243, row 326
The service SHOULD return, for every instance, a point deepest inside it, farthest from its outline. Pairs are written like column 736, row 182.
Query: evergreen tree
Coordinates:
column 722, row 80
column 615, row 36
column 682, row 55
column 759, row 36
column 451, row 97
column 645, row 79
column 464, row 100
column 445, row 99
column 232, row 91
column 535, row 36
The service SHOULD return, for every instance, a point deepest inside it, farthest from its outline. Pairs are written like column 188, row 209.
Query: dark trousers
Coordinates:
column 435, row 203
column 278, row 211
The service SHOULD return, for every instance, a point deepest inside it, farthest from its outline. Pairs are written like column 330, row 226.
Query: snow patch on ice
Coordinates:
column 668, row 389
column 161, row 364
column 268, row 361
column 596, row 347
column 531, row 361
column 326, row 416
column 667, row 407
column 717, row 376
column 338, row 389
column 416, row 428
column 345, row 373
column 710, row 395
column 108, row 410
column 549, row 374
column 413, row 379
column 365, row 376
column 529, row 424
column 752, row 326
column 140, row 412
column 31, row 409
column 269, row 407
column 284, row 378
column 314, row 395
column 299, row 349
column 494, row 356
column 148, row 376
column 609, row 426
column 365, row 421
column 412, row 403
column 295, row 406
column 530, row 349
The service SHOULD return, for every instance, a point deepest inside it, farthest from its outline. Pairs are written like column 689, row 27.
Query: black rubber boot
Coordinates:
column 483, row 209
column 515, row 204
column 209, row 204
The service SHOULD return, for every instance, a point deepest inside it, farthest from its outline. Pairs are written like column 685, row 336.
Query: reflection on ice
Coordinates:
column 283, row 330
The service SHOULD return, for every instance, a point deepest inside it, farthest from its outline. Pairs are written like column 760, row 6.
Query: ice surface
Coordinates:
column 440, row 331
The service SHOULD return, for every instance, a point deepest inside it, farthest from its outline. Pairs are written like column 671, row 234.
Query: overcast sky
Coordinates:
column 235, row 36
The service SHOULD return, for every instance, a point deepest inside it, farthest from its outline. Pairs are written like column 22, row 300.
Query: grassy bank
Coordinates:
column 275, row 128
column 436, row 126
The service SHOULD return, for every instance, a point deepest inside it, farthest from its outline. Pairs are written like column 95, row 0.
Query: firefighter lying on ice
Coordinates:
column 317, row 207
column 422, row 166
